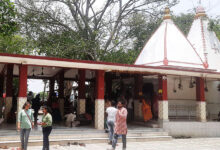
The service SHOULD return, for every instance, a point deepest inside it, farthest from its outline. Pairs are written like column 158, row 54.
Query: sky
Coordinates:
column 212, row 8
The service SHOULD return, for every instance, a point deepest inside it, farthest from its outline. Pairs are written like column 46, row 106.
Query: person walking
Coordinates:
column 111, row 113
column 36, row 106
column 146, row 108
column 120, row 125
column 46, row 127
column 25, row 124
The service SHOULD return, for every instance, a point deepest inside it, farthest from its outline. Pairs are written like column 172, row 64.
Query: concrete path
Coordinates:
column 175, row 144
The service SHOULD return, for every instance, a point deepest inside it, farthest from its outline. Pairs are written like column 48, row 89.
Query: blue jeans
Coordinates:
column 116, row 139
column 24, row 135
column 46, row 133
column 111, row 126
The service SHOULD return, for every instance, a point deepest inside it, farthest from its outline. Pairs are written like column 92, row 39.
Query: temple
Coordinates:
column 179, row 73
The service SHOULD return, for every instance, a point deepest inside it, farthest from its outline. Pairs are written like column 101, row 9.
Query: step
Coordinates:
column 12, row 135
column 11, row 138
column 97, row 135
column 62, row 141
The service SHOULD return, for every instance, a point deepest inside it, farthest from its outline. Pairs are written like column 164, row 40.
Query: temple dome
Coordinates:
column 204, row 40
column 169, row 47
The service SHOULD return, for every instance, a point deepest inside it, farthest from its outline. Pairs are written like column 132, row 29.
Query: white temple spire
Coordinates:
column 205, row 41
column 169, row 47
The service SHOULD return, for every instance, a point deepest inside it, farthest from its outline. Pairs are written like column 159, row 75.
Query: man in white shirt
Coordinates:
column 111, row 113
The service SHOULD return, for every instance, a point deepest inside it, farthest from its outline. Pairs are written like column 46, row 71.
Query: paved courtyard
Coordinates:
column 175, row 144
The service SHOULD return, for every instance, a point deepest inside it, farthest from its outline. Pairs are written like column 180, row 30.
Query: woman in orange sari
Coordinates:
column 146, row 111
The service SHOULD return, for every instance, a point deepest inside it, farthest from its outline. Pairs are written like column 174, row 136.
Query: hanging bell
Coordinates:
column 191, row 85
column 206, row 89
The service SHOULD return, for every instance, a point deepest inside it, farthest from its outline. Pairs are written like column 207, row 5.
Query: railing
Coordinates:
column 187, row 112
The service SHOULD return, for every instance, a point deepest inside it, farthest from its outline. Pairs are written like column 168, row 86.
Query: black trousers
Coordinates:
column 46, row 133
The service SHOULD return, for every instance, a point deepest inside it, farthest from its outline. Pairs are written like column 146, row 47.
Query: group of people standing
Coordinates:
column 26, row 124
column 117, row 123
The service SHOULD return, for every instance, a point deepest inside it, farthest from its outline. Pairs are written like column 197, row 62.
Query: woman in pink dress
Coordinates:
column 120, row 125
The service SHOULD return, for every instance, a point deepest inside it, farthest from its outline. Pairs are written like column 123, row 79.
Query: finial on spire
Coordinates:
column 167, row 13
column 200, row 11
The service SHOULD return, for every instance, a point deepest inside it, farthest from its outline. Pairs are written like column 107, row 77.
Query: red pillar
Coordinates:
column 61, row 85
column 200, row 96
column 23, row 81
column 9, row 81
column 163, row 109
column 82, row 86
column 138, row 86
column 108, row 81
column 22, row 93
column 1, row 85
column 162, row 88
column 99, row 103
column 100, row 84
column 200, row 90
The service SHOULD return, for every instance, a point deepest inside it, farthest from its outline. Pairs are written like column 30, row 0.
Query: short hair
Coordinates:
column 25, row 104
column 47, row 108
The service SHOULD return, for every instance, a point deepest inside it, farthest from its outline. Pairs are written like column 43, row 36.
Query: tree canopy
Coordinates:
column 214, row 25
column 8, row 25
column 82, row 29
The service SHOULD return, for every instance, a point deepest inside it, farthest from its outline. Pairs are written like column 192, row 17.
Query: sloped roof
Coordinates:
column 205, row 41
column 169, row 47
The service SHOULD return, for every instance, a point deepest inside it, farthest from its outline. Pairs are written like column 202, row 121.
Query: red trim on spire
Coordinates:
column 153, row 63
column 191, row 45
column 165, row 61
column 204, row 43
column 185, row 63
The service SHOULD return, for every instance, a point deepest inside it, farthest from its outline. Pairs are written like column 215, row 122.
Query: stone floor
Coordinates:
column 175, row 144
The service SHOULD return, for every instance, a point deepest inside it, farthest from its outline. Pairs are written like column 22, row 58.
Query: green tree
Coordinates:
column 214, row 25
column 82, row 29
column 15, row 44
column 8, row 25
column 184, row 22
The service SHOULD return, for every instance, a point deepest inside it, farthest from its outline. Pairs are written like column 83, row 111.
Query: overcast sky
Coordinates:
column 211, row 6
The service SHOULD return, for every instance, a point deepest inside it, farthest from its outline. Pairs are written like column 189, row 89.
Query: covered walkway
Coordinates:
column 100, row 75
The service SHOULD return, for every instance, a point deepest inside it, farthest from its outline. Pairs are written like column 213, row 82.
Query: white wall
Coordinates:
column 181, row 94
column 213, row 99
column 192, row 129
column 183, row 101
